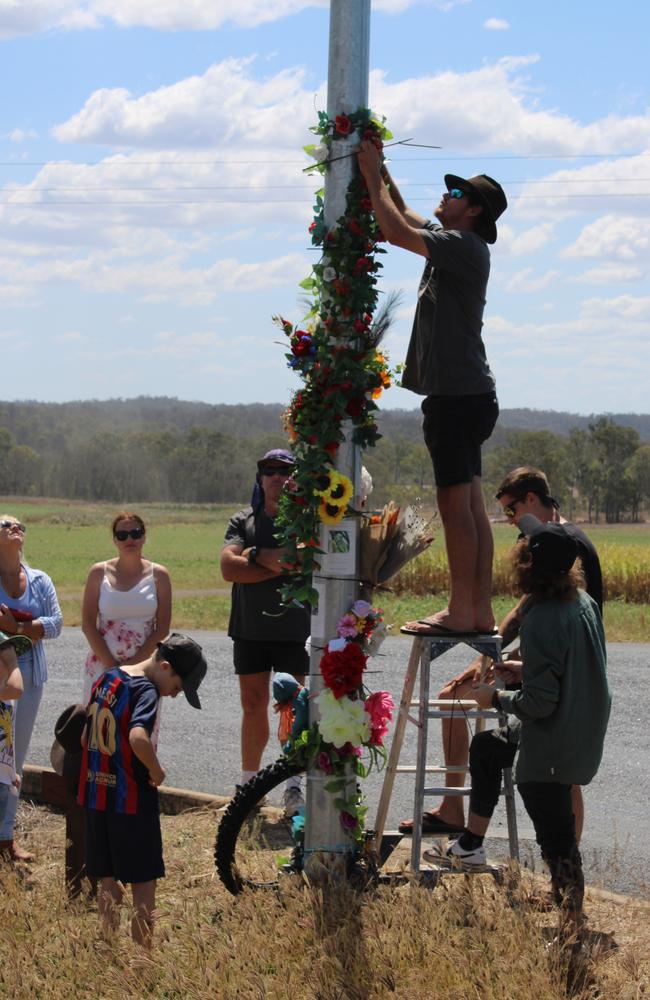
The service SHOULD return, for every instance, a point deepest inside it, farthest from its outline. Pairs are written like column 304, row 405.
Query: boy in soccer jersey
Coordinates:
column 120, row 774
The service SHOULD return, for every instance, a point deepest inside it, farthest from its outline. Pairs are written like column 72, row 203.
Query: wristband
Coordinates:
column 252, row 555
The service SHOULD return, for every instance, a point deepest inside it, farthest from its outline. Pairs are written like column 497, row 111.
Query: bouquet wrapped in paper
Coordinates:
column 389, row 540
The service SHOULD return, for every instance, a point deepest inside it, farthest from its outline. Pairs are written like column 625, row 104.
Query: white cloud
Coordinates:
column 608, row 275
column 530, row 241
column 612, row 237
column 496, row 24
column 23, row 17
column 227, row 104
column 18, row 135
column 528, row 281
column 623, row 307
column 615, row 184
column 148, row 278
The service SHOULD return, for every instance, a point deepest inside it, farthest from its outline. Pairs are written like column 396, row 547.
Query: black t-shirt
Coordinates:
column 256, row 612
column 590, row 563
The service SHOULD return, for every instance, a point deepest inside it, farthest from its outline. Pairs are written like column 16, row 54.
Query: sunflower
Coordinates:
column 335, row 488
column 331, row 513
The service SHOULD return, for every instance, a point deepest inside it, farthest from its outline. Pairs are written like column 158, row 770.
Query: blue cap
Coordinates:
column 279, row 455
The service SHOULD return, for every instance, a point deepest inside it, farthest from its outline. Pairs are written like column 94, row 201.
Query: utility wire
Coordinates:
column 406, row 159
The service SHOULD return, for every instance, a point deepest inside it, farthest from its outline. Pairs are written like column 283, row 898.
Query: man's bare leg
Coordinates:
column 109, row 898
column 461, row 541
column 482, row 594
column 254, row 695
column 144, row 902
column 470, row 548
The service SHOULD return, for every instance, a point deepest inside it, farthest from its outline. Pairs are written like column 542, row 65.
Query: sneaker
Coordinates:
column 456, row 854
column 292, row 801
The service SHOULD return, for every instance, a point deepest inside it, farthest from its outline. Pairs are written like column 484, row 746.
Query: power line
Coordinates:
column 265, row 201
column 394, row 159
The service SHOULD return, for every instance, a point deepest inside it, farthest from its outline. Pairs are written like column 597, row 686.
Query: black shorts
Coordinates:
column 254, row 656
column 454, row 429
column 126, row 848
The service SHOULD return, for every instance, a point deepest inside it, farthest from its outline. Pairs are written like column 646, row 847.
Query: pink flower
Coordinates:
column 379, row 707
column 324, row 763
column 348, row 821
column 347, row 626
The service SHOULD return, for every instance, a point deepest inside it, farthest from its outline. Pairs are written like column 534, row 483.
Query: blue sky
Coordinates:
column 153, row 210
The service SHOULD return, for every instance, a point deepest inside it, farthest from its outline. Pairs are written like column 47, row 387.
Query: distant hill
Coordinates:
column 51, row 426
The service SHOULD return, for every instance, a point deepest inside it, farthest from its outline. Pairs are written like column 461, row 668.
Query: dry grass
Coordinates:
column 463, row 940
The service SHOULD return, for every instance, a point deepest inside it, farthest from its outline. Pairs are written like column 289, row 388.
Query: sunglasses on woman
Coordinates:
column 134, row 533
column 13, row 524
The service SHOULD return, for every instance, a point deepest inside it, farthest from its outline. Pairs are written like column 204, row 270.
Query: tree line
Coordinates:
column 152, row 449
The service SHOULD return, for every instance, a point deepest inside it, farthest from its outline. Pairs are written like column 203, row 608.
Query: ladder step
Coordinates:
column 452, row 791
column 433, row 769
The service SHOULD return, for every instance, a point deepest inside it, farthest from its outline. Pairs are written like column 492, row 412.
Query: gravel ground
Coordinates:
column 200, row 750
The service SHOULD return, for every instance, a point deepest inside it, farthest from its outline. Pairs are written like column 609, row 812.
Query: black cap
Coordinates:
column 552, row 549
column 65, row 755
column 187, row 660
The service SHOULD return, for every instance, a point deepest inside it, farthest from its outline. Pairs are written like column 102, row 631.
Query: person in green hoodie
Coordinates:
column 561, row 702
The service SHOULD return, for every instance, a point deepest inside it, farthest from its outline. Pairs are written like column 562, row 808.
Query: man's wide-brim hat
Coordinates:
column 487, row 193
column 65, row 755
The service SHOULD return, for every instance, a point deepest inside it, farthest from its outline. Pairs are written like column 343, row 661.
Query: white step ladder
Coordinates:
column 423, row 651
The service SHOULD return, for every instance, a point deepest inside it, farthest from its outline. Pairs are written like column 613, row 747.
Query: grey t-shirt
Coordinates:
column 256, row 611
column 446, row 354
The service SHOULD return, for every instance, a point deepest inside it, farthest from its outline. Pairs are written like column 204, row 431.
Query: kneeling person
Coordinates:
column 120, row 774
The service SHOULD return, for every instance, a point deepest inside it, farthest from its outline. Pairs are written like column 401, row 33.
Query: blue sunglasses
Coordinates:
column 456, row 193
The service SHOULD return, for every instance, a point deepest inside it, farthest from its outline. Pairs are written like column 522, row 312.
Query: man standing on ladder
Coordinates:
column 446, row 363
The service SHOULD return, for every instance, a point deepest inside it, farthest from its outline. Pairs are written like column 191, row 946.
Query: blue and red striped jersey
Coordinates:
column 112, row 778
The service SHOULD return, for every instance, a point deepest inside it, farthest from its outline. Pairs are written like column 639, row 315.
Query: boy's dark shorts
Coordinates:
column 257, row 657
column 454, row 429
column 126, row 848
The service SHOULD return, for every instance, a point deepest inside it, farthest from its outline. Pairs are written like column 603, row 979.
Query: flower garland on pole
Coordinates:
column 353, row 723
column 335, row 351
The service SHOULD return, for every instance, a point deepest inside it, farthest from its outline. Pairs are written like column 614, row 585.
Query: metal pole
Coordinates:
column 347, row 90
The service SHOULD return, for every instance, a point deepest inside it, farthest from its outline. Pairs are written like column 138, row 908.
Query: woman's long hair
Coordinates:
column 541, row 585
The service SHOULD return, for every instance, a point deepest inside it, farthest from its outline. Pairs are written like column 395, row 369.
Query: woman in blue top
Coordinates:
column 28, row 606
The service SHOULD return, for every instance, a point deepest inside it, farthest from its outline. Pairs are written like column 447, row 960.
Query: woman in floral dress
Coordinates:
column 127, row 603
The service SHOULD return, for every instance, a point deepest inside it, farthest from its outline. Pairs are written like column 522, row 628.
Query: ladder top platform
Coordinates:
column 486, row 644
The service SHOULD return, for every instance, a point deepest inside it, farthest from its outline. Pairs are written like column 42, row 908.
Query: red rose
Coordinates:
column 343, row 669
column 360, row 326
column 366, row 204
column 355, row 228
column 355, row 406
column 343, row 125
column 363, row 264
column 312, row 227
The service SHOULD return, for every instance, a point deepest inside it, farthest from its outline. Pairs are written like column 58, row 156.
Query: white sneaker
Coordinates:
column 456, row 854
column 293, row 801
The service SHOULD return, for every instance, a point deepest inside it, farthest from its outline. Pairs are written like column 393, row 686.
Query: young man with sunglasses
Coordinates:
column 266, row 636
column 446, row 363
column 525, row 490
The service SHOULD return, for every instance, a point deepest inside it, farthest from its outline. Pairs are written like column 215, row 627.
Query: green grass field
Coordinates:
column 65, row 538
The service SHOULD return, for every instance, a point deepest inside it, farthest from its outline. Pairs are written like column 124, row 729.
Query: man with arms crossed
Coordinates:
column 266, row 636
column 446, row 363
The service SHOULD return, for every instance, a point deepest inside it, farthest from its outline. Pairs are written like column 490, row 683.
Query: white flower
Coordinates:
column 342, row 720
column 320, row 153
column 329, row 274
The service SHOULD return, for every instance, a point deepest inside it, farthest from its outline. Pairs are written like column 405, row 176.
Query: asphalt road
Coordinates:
column 200, row 750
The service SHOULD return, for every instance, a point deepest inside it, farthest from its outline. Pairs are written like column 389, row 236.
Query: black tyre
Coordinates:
column 250, row 849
